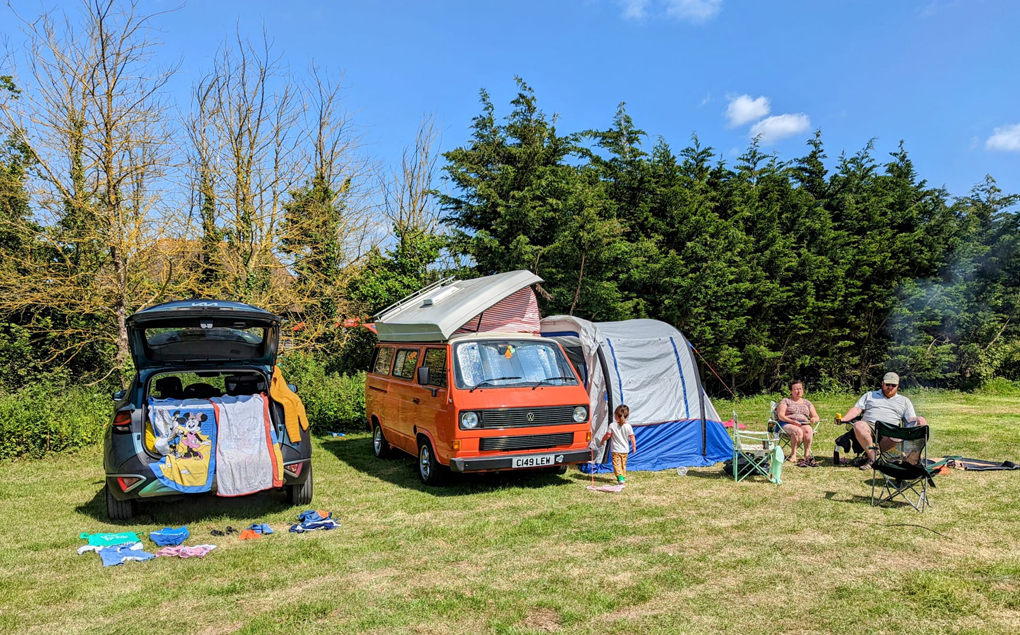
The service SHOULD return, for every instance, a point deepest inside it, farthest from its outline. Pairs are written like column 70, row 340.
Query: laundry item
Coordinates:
column 185, row 433
column 105, row 540
column 294, row 417
column 197, row 551
column 248, row 457
column 313, row 520
column 168, row 536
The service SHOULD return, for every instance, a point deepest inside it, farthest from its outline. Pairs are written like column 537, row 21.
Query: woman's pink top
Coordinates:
column 797, row 411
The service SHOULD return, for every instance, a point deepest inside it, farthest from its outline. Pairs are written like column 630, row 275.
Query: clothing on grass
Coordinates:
column 248, row 455
column 168, row 536
column 249, row 534
column 197, row 551
column 261, row 528
column 106, row 540
column 313, row 520
column 294, row 417
column 186, row 433
column 119, row 554
column 607, row 488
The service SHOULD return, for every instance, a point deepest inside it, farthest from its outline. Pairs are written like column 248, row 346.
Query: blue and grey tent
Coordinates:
column 649, row 366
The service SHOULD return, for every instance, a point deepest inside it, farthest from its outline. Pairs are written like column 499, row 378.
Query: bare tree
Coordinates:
column 93, row 117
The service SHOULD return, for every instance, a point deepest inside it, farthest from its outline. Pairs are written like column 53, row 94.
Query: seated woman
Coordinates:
column 797, row 415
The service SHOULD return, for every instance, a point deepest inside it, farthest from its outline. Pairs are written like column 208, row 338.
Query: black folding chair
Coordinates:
column 904, row 467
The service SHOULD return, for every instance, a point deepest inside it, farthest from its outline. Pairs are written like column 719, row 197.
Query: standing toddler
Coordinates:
column 620, row 431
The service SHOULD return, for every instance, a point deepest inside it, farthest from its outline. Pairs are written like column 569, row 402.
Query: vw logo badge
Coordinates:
column 531, row 416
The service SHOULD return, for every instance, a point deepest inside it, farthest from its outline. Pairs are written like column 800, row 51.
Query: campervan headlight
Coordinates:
column 580, row 414
column 469, row 420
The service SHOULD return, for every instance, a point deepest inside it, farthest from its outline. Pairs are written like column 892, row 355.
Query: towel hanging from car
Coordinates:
column 248, row 457
column 294, row 416
column 185, row 433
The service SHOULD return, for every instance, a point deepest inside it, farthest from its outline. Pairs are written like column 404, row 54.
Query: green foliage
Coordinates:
column 332, row 400
column 51, row 417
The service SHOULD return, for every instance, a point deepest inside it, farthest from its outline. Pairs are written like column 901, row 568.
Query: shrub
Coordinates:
column 333, row 401
column 42, row 418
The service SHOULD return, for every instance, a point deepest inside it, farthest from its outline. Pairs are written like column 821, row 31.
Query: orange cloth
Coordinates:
column 249, row 534
column 294, row 414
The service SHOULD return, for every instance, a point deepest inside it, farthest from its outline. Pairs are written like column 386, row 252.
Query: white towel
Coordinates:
column 244, row 463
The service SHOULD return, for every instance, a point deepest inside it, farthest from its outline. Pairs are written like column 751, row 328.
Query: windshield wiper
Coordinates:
column 489, row 381
column 542, row 381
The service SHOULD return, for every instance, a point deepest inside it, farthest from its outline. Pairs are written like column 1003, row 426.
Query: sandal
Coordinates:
column 867, row 465
column 802, row 463
column 811, row 462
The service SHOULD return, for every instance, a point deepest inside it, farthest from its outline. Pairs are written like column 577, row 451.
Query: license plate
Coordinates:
column 534, row 461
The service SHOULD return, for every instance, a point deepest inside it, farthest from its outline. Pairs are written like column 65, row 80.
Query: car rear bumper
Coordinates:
column 506, row 461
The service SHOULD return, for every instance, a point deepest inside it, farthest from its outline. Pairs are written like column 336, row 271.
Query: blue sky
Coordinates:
column 939, row 74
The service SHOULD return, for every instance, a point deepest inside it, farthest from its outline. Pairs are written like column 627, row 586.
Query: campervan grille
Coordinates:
column 526, row 417
column 526, row 443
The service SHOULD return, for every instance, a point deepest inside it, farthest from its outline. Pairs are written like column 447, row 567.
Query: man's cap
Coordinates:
column 891, row 378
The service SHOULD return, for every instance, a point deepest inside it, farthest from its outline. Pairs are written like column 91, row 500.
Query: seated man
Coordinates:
column 880, row 405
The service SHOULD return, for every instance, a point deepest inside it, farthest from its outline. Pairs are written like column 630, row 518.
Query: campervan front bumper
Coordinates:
column 519, row 461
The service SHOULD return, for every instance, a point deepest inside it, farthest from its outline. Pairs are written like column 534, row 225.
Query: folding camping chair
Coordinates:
column 755, row 448
column 775, row 427
column 904, row 467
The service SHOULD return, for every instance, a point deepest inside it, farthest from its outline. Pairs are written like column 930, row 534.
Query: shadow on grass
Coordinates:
column 401, row 470
column 861, row 499
column 193, row 508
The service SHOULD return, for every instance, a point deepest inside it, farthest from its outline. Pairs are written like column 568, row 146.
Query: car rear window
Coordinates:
column 205, row 340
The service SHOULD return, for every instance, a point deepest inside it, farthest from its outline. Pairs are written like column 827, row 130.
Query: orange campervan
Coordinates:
column 462, row 380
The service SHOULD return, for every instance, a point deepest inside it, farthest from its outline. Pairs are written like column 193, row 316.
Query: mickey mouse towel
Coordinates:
column 185, row 434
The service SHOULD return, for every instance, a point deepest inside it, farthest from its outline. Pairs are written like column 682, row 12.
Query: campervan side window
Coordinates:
column 383, row 357
column 407, row 360
column 435, row 359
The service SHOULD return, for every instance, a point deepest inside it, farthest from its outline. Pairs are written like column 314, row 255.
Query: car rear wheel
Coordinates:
column 429, row 469
column 301, row 494
column 380, row 445
column 559, row 469
column 118, row 510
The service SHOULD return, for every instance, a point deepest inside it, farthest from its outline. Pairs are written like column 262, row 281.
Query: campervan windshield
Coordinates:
column 507, row 363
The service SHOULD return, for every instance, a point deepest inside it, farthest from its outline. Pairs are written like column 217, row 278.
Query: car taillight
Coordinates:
column 122, row 421
column 294, row 469
column 126, row 482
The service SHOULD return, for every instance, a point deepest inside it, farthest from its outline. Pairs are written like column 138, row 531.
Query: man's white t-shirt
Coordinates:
column 621, row 437
column 877, row 408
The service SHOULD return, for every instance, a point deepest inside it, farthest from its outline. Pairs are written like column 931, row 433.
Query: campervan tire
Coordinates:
column 301, row 494
column 429, row 469
column 380, row 446
column 118, row 510
column 559, row 469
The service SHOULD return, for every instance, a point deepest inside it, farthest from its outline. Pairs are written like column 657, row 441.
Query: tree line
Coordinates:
column 113, row 197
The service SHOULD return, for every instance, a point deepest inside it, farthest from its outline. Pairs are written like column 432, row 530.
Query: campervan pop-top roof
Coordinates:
column 434, row 313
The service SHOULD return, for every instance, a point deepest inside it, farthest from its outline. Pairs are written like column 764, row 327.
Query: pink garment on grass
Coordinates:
column 198, row 551
column 607, row 488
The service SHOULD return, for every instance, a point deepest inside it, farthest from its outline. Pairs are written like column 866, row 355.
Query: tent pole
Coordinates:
column 701, row 398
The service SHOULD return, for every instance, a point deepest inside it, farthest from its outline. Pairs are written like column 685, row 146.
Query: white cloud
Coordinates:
column 780, row 126
column 1005, row 139
column 744, row 109
column 696, row 11
column 633, row 9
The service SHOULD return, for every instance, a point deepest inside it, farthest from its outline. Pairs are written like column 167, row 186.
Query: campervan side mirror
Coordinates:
column 423, row 375
column 293, row 388
column 118, row 395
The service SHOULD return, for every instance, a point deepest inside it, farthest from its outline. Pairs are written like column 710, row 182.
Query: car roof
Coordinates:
column 204, row 308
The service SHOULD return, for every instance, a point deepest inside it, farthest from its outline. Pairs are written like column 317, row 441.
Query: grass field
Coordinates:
column 539, row 553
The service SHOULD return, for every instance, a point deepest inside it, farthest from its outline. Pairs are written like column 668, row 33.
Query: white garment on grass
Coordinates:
column 621, row 437
column 243, row 461
column 892, row 411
